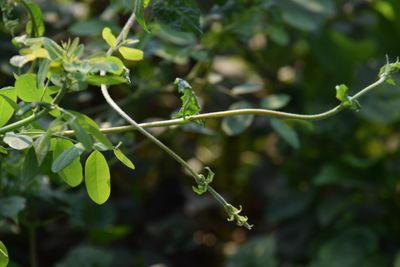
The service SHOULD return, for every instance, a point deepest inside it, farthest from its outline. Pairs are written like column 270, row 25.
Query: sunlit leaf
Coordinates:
column 131, row 53
column 3, row 255
column 6, row 110
column 97, row 177
column 108, row 79
column 109, row 37
column 17, row 141
column 124, row 159
column 27, row 90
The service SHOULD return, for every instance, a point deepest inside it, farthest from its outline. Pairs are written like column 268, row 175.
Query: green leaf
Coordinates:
column 109, row 80
column 181, row 15
column 82, row 135
column 275, row 101
column 117, row 62
column 140, row 5
column 55, row 51
column 18, row 141
column 131, row 53
column 3, row 255
column 97, row 177
column 72, row 174
column 123, row 158
column 92, row 26
column 341, row 95
column 6, row 110
column 109, row 37
column 30, row 167
column 236, row 124
column 246, row 88
column 27, row 90
column 286, row 132
column 42, row 144
column 92, row 128
column 10, row 207
column 190, row 104
column 35, row 26
column 42, row 72
column 67, row 157
column 3, row 151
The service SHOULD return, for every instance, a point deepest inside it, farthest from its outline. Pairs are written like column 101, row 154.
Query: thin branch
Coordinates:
column 236, row 112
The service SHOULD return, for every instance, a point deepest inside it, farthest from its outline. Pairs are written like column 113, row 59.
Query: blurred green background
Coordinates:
column 320, row 194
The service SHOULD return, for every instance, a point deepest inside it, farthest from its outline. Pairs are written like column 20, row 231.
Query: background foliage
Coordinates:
column 321, row 194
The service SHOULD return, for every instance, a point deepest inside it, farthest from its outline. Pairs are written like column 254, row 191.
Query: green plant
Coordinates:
column 56, row 70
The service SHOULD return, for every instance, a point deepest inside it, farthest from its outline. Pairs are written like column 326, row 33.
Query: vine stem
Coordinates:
column 236, row 112
column 136, row 126
column 122, row 113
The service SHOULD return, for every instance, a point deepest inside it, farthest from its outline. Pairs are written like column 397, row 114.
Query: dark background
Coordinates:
column 320, row 194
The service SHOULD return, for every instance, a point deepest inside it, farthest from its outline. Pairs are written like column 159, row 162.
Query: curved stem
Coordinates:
column 236, row 112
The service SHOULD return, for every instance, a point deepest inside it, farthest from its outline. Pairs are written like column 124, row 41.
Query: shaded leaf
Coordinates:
column 11, row 206
column 180, row 15
column 140, row 5
column 72, row 174
column 234, row 125
column 30, row 167
column 82, row 135
column 35, row 26
column 246, row 88
column 286, row 132
column 67, row 157
column 275, row 101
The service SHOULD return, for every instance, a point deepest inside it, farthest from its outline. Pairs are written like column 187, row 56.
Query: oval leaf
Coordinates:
column 3, row 255
column 6, row 109
column 67, row 157
column 131, row 53
column 17, row 141
column 109, row 37
column 72, row 173
column 286, row 132
column 237, row 124
column 97, row 177
column 27, row 90
column 124, row 159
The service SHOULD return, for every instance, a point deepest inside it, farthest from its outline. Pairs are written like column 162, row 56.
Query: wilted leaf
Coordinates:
column 190, row 104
